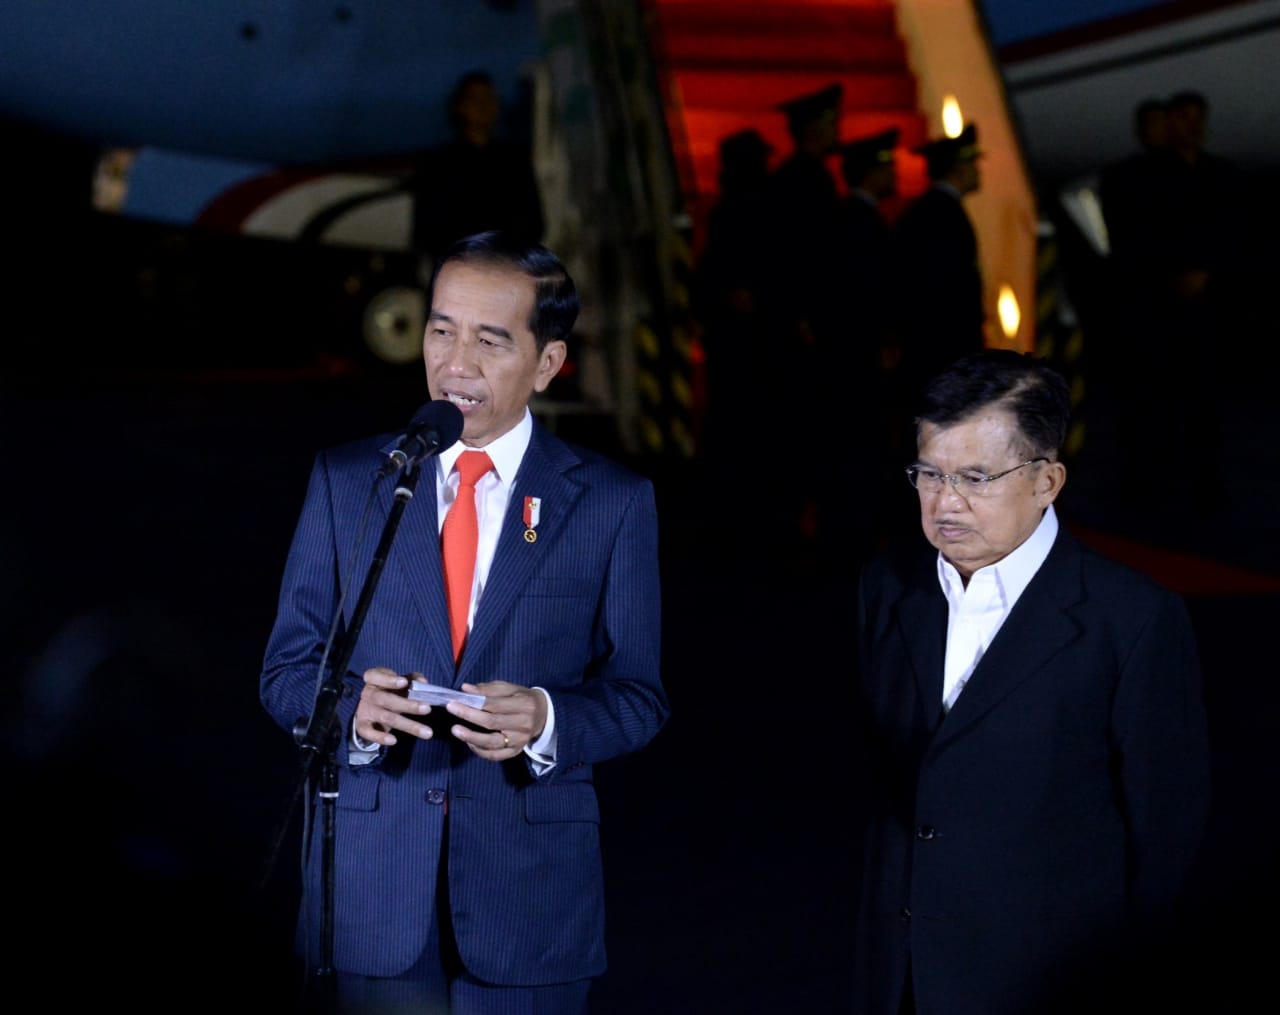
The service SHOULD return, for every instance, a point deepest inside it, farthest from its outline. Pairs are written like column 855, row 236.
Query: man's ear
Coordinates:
column 550, row 360
column 1052, row 478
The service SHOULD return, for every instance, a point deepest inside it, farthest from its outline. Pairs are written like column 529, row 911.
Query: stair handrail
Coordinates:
column 604, row 145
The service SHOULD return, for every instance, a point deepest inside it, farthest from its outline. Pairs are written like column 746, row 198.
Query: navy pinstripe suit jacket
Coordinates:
column 576, row 612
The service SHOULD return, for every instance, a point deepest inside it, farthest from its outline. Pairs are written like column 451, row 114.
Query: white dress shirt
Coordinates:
column 975, row 612
column 493, row 493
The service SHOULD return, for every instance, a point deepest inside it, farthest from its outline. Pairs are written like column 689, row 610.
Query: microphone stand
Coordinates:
column 320, row 736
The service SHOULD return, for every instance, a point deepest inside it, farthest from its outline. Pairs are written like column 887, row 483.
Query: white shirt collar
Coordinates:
column 506, row 452
column 1015, row 570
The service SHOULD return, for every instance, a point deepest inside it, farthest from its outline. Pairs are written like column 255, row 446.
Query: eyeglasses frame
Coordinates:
column 952, row 478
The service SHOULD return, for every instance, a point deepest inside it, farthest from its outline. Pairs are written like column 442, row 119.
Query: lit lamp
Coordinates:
column 952, row 121
column 1008, row 312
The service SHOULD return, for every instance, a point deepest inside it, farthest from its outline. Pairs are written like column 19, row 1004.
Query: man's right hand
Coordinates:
column 385, row 706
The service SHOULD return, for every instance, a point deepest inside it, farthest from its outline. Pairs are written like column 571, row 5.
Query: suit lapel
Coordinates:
column 1038, row 628
column 416, row 558
column 541, row 475
column 922, row 626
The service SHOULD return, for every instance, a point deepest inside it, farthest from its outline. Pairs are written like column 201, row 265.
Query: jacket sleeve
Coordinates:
column 307, row 604
column 1161, row 743
column 620, row 704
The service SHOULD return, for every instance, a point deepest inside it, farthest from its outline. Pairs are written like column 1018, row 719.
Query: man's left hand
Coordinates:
column 513, row 717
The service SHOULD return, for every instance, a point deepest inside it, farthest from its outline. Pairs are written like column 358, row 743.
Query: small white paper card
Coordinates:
column 433, row 694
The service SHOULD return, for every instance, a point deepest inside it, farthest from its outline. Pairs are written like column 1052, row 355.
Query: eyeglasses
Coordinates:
column 966, row 484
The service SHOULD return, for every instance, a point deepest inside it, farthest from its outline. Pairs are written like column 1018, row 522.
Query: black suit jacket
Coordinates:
column 1016, row 846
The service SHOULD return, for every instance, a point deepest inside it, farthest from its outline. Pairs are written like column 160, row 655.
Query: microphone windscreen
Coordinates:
column 443, row 417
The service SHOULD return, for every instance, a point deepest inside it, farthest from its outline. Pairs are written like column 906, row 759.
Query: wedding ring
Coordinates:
column 505, row 741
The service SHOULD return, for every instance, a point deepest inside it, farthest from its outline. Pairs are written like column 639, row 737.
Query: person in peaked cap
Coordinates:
column 732, row 267
column 935, row 274
column 745, row 153
column 818, row 109
column 945, row 155
column 849, row 515
column 864, row 156
column 801, row 301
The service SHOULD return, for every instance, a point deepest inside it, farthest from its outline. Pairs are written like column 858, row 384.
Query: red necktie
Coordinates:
column 459, row 536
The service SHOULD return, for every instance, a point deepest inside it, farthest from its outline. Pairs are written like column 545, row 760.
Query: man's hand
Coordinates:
column 513, row 717
column 385, row 706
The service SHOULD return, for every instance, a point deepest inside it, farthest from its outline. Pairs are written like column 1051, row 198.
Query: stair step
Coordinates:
column 730, row 17
column 732, row 62
column 866, row 53
column 763, row 88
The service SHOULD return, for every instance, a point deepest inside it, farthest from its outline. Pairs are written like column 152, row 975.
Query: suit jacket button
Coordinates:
column 434, row 796
column 926, row 832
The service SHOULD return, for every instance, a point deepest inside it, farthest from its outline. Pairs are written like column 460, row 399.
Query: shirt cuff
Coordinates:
column 542, row 752
column 361, row 752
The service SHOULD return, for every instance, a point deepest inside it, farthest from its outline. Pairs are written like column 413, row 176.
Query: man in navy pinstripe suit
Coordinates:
column 467, row 870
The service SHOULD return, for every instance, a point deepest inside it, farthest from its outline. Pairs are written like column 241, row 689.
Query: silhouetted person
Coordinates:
column 1175, row 225
column 802, row 303
column 939, row 308
column 728, row 280
column 1205, row 193
column 478, row 180
column 1135, row 194
column 1207, row 233
column 871, row 179
column 803, row 205
column 849, row 525
column 1133, row 190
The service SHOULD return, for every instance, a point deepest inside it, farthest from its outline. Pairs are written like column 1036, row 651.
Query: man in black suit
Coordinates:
column 1037, row 762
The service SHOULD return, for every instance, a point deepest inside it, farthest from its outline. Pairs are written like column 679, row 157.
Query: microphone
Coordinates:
column 434, row 427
